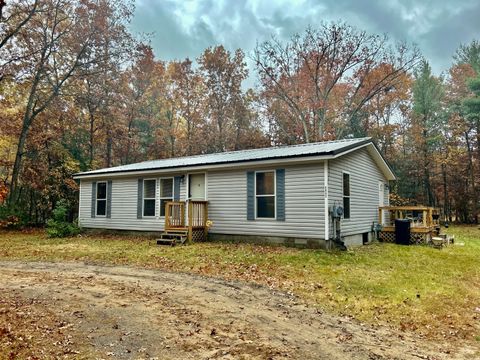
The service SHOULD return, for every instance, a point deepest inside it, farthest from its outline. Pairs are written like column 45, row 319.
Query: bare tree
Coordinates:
column 12, row 20
column 311, row 71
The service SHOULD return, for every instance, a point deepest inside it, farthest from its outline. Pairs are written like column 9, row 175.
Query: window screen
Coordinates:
column 101, row 199
column 149, row 189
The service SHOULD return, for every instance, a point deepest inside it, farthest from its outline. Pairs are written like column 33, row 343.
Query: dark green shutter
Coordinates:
column 140, row 199
column 94, row 198
column 250, row 195
column 176, row 188
column 280, row 192
column 109, row 198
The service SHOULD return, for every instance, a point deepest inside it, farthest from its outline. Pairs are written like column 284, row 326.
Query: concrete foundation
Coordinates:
column 359, row 239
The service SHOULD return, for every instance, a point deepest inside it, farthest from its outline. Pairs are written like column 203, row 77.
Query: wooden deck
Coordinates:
column 424, row 222
column 189, row 218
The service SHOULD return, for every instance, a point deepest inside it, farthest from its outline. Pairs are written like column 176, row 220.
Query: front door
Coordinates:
column 196, row 185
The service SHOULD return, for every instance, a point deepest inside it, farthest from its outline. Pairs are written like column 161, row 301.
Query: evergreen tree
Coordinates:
column 426, row 120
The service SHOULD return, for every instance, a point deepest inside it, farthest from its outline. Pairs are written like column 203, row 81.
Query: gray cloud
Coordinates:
column 184, row 28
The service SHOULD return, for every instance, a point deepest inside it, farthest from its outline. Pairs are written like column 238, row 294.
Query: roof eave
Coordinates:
column 300, row 158
column 225, row 165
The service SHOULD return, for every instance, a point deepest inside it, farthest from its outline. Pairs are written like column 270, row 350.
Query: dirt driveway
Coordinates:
column 72, row 310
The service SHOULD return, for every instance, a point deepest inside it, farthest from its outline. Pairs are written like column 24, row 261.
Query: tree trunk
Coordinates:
column 109, row 148
column 446, row 210
column 321, row 124
column 189, row 137
column 472, row 178
column 90, row 145
column 426, row 171
column 27, row 122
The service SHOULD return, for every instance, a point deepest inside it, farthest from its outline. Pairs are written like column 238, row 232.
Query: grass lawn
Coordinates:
column 434, row 292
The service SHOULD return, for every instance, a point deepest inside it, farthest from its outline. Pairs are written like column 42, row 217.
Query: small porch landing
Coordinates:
column 185, row 221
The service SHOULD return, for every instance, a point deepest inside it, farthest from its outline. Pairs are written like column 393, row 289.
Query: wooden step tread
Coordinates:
column 172, row 236
column 166, row 242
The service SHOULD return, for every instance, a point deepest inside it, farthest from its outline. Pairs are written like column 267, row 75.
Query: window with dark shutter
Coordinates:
column 101, row 202
column 265, row 194
column 346, row 196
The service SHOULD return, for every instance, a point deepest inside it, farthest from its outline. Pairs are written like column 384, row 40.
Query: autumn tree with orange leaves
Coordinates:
column 79, row 91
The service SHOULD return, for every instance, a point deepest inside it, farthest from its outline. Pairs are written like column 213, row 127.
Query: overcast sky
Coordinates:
column 184, row 28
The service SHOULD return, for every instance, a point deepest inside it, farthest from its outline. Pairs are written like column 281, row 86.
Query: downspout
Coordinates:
column 327, row 215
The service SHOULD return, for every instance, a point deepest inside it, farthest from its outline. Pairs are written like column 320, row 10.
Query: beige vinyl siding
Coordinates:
column 364, row 190
column 124, row 206
column 304, row 203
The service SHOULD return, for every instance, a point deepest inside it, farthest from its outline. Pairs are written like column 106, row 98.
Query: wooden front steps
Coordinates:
column 173, row 237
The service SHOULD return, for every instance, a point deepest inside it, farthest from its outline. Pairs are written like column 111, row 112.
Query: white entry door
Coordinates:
column 196, row 185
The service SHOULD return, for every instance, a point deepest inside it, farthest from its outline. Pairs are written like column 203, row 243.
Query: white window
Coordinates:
column 149, row 190
column 265, row 194
column 101, row 201
column 166, row 193
column 346, row 195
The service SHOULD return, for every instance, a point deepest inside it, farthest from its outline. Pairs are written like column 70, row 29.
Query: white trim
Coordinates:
column 187, row 195
column 381, row 198
column 274, row 195
column 381, row 163
column 154, row 198
column 206, row 185
column 160, row 198
column 327, row 215
column 96, row 198
column 377, row 157
column 349, row 195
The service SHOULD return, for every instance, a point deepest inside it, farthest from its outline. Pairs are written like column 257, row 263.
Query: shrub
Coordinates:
column 12, row 217
column 11, row 221
column 58, row 226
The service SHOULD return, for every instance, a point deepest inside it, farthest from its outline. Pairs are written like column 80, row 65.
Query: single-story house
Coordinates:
column 278, row 194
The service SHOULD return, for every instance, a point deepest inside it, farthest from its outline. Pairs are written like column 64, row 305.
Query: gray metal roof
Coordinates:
column 278, row 152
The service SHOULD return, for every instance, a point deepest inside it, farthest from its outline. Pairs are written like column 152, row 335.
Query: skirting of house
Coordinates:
column 101, row 231
column 271, row 240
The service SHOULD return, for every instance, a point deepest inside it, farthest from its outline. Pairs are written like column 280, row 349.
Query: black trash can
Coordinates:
column 402, row 232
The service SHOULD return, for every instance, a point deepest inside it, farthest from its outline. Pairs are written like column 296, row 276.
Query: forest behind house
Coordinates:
column 80, row 91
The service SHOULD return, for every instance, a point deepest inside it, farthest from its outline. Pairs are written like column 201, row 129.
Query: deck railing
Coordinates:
column 194, row 220
column 421, row 216
column 424, row 223
column 174, row 214
column 197, row 214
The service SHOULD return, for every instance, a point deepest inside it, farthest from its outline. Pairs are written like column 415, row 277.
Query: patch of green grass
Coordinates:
column 435, row 292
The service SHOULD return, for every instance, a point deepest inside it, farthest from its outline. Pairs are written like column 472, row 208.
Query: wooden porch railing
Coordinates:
column 195, row 221
column 428, row 218
column 174, row 215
